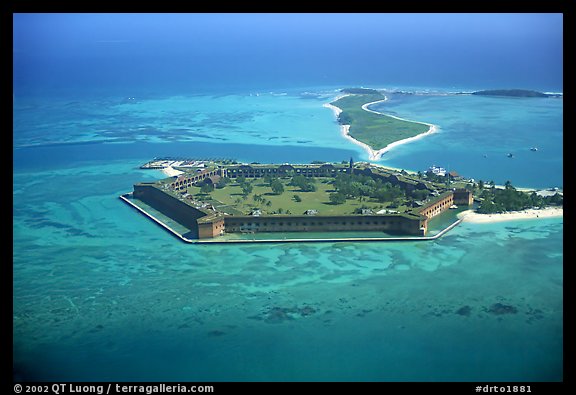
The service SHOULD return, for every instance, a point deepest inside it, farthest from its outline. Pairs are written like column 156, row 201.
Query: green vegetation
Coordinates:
column 337, row 198
column 277, row 187
column 360, row 91
column 206, row 188
column 511, row 92
column 223, row 182
column 376, row 130
column 364, row 187
column 350, row 194
column 306, row 184
column 496, row 200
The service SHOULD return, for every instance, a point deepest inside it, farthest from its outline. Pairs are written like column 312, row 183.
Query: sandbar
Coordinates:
column 474, row 217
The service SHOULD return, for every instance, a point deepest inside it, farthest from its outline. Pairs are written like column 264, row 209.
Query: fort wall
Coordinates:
column 210, row 228
column 168, row 205
column 398, row 223
column 463, row 197
column 437, row 206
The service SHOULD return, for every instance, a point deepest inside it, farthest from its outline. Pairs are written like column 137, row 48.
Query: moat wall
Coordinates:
column 168, row 205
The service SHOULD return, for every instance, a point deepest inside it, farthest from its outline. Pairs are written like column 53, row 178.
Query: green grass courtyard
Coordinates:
column 231, row 199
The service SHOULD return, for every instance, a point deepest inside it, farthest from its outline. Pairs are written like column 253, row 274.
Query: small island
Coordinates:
column 513, row 93
column 214, row 198
column 228, row 201
column 377, row 133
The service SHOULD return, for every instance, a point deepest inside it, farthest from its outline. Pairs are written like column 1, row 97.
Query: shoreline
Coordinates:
column 477, row 218
column 372, row 153
column 345, row 130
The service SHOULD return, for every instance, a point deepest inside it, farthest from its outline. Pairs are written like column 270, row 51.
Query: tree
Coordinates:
column 557, row 199
column 277, row 187
column 535, row 200
column 247, row 189
column 488, row 207
column 480, row 184
column 267, row 179
column 304, row 183
column 337, row 198
column 420, row 194
column 206, row 188
column 241, row 180
column 297, row 198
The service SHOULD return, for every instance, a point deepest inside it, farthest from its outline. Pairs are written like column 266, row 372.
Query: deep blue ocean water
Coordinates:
column 102, row 293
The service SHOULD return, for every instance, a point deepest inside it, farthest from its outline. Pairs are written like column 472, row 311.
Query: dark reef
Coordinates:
column 499, row 309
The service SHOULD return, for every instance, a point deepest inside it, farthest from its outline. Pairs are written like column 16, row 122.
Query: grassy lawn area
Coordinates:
column 373, row 129
column 232, row 201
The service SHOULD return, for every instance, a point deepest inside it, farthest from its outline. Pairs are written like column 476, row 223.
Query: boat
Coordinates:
column 453, row 207
column 510, row 155
column 534, row 149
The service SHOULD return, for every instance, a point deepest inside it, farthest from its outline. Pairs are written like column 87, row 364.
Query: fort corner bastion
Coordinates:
column 210, row 218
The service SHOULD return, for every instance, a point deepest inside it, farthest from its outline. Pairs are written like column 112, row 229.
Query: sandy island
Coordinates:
column 377, row 154
column 474, row 217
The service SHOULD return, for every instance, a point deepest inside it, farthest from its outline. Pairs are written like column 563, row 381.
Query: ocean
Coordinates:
column 103, row 294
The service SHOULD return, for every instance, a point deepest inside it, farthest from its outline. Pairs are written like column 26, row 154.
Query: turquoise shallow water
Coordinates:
column 102, row 293
column 476, row 134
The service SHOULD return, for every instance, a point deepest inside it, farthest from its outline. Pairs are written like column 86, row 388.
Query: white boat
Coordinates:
column 534, row 149
column 453, row 207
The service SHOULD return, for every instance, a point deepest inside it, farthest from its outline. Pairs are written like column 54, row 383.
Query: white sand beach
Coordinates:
column 365, row 106
column 171, row 172
column 377, row 154
column 474, row 217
